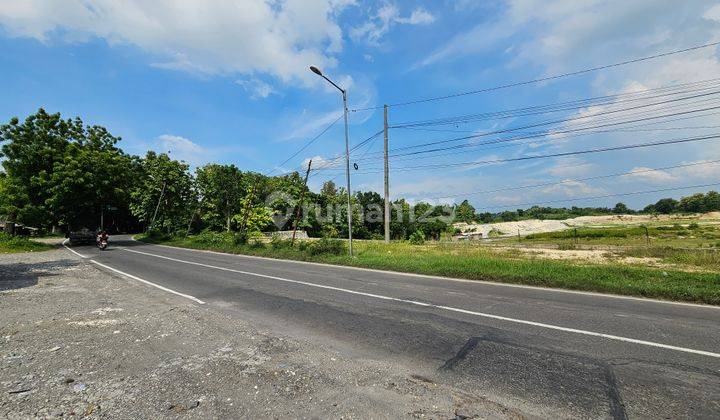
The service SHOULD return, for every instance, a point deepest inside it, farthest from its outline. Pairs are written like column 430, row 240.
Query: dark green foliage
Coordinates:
column 417, row 238
column 327, row 246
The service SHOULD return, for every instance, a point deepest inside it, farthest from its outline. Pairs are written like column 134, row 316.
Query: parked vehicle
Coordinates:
column 83, row 236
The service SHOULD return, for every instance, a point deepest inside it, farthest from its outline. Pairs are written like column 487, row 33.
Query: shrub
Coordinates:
column 327, row 246
column 494, row 233
column 279, row 243
column 240, row 238
column 209, row 238
column 694, row 226
column 156, row 235
column 417, row 238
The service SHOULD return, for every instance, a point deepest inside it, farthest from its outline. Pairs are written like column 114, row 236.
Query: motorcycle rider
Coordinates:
column 102, row 235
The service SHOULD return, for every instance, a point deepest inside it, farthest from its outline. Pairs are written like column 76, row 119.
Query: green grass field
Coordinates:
column 471, row 261
column 14, row 244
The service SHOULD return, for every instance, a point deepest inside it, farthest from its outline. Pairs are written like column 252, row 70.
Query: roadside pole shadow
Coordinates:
column 19, row 275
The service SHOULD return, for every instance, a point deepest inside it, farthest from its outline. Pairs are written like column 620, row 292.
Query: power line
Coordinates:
column 569, row 105
column 312, row 140
column 545, row 79
column 514, row 143
column 581, row 131
column 562, row 154
column 566, row 120
column 330, row 162
column 569, row 181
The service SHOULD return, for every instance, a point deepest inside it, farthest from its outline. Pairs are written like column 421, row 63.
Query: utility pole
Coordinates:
column 347, row 174
column 302, row 196
column 387, row 177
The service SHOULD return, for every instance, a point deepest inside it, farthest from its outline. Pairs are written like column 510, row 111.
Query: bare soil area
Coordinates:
column 527, row 227
column 77, row 341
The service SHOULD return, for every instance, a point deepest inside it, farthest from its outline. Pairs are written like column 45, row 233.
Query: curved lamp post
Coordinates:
column 347, row 154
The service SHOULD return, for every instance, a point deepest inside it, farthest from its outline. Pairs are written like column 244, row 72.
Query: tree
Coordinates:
column 465, row 213
column 692, row 204
column 621, row 208
column 31, row 150
column 221, row 188
column 164, row 185
column 255, row 218
column 712, row 201
column 93, row 176
column 63, row 172
column 328, row 189
column 666, row 206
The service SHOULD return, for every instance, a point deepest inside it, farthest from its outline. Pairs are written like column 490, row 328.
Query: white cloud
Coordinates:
column 320, row 162
column 309, row 125
column 709, row 171
column 573, row 189
column 418, row 16
column 571, row 167
column 713, row 13
column 643, row 173
column 477, row 39
column 184, row 149
column 257, row 88
column 209, row 37
column 385, row 18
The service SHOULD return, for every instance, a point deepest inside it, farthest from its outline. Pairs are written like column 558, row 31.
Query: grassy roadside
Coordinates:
column 14, row 244
column 476, row 263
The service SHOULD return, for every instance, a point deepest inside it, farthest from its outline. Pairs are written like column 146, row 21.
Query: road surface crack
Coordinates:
column 461, row 354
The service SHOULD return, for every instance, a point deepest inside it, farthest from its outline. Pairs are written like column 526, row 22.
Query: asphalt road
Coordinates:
column 547, row 353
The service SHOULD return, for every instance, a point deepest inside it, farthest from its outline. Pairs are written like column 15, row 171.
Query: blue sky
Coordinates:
column 227, row 81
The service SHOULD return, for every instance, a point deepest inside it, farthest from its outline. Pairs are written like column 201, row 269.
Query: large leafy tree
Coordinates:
column 164, row 196
column 30, row 150
column 93, row 177
column 221, row 188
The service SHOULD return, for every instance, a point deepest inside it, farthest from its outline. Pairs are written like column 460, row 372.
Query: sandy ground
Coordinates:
column 527, row 227
column 76, row 341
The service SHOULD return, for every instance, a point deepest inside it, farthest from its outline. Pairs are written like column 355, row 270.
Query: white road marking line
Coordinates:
column 64, row 243
column 429, row 276
column 447, row 308
column 148, row 283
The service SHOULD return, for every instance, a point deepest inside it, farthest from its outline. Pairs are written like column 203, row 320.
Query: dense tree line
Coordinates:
column 62, row 173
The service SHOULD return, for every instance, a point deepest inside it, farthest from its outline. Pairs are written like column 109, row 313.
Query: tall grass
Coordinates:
column 13, row 244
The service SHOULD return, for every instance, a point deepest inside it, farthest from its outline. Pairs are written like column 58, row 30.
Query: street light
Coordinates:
column 347, row 153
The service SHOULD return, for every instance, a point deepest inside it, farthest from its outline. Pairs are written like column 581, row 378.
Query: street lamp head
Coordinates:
column 316, row 70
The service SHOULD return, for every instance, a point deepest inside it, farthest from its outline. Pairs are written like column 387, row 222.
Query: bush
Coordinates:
column 694, row 226
column 209, row 238
column 156, row 235
column 279, row 243
column 327, row 246
column 417, row 238
column 19, row 244
column 240, row 238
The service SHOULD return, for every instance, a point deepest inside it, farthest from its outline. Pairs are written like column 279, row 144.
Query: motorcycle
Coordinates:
column 102, row 243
